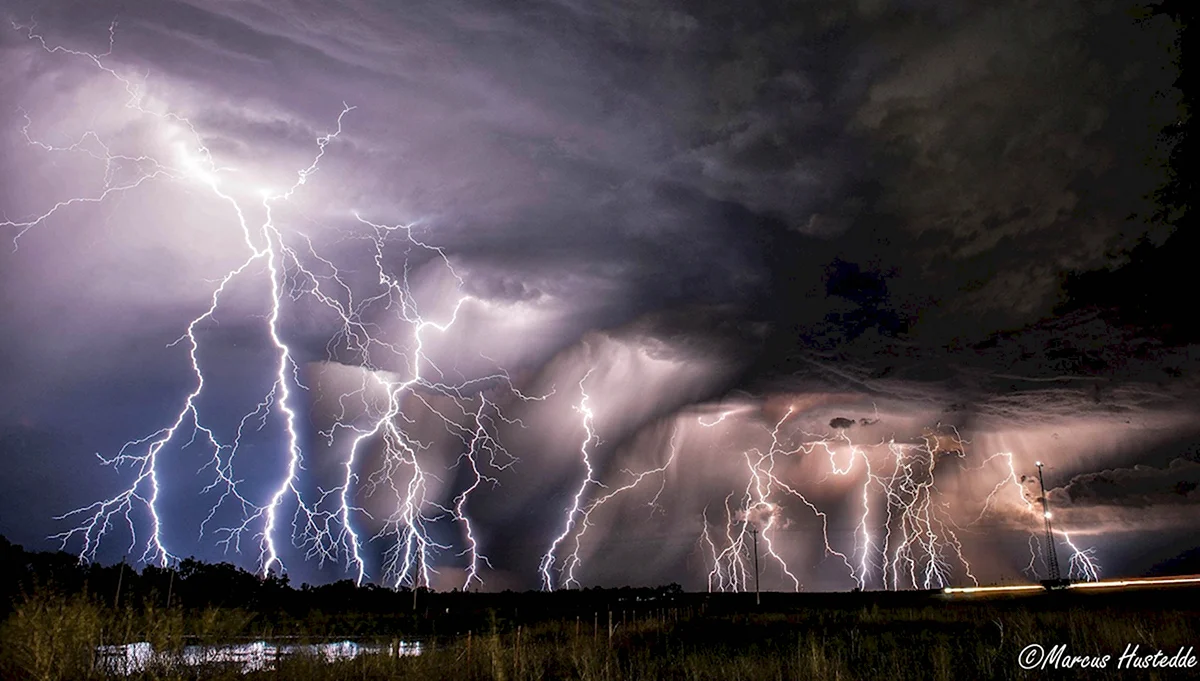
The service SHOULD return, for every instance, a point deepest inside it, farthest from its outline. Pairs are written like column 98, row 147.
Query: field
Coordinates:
column 51, row 635
column 55, row 613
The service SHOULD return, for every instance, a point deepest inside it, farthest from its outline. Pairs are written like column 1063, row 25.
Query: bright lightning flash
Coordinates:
column 903, row 537
column 918, row 544
column 325, row 525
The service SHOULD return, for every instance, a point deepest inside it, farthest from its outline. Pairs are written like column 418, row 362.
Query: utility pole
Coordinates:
column 754, row 533
column 120, row 578
column 1051, row 554
column 170, row 588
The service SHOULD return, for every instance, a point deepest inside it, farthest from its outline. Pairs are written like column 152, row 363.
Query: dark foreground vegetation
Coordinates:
column 56, row 612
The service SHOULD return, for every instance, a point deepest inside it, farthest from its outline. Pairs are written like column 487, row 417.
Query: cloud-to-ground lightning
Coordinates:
column 573, row 559
column 918, row 544
column 759, row 512
column 904, row 534
column 546, row 567
column 322, row 525
column 1081, row 564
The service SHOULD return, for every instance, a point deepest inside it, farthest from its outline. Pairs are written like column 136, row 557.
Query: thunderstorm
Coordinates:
column 412, row 308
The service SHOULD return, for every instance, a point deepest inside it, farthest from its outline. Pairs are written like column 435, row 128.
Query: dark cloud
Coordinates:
column 997, row 134
column 1137, row 486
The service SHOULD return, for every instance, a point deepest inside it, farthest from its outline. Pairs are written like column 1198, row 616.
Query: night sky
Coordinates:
column 838, row 271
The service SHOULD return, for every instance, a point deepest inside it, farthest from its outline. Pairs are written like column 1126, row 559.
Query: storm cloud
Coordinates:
column 833, row 231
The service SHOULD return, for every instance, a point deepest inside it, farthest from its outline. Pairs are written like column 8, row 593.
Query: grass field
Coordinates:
column 49, row 635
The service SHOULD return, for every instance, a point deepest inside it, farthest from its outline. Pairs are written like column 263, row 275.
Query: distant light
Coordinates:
column 1146, row 581
column 991, row 589
column 1038, row 464
column 1047, row 514
column 1116, row 583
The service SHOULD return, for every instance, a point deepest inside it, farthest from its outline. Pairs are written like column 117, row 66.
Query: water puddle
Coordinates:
column 133, row 658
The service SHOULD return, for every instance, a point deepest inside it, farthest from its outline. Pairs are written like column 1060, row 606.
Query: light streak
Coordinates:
column 1142, row 581
column 992, row 589
column 1105, row 584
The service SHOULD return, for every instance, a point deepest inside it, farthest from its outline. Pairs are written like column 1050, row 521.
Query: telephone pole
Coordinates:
column 1051, row 554
column 120, row 578
column 754, row 533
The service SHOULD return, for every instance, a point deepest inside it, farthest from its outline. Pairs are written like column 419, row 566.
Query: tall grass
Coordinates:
column 49, row 637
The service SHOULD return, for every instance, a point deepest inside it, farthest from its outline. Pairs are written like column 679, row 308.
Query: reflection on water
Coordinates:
column 132, row 658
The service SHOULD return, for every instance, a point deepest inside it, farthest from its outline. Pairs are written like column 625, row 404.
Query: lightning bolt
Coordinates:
column 918, row 544
column 759, row 510
column 322, row 525
column 927, row 532
column 573, row 560
column 1082, row 563
column 546, row 565
column 142, row 454
column 903, row 537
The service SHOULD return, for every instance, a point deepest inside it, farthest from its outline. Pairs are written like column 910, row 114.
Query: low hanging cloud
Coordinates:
column 1138, row 486
column 841, row 423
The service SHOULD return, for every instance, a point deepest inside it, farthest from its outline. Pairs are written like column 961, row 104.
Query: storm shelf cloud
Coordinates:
column 476, row 296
